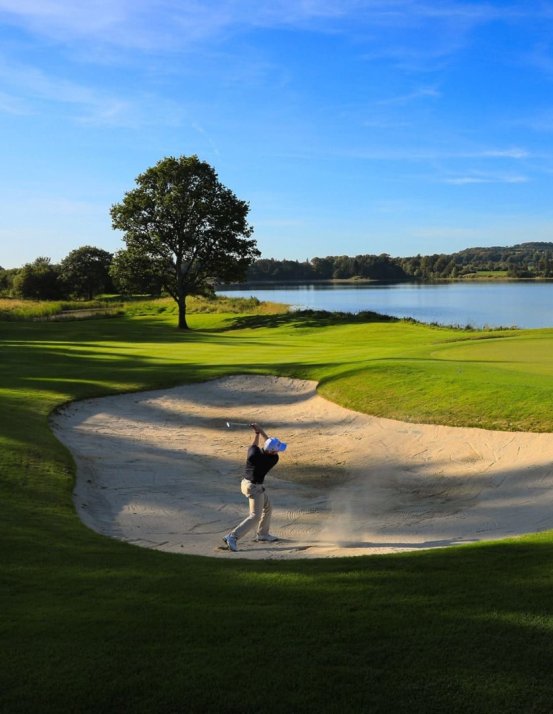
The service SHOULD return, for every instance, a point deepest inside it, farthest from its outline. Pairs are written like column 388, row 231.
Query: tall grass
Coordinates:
column 22, row 310
column 197, row 304
column 14, row 309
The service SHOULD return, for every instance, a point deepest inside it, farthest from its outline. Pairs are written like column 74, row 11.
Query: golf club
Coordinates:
column 230, row 424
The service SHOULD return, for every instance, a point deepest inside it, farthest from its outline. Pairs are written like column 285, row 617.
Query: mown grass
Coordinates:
column 90, row 624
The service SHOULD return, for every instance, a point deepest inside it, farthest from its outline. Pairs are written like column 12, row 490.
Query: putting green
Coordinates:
column 533, row 353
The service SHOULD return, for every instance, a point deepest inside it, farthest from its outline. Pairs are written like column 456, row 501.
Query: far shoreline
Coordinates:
column 471, row 277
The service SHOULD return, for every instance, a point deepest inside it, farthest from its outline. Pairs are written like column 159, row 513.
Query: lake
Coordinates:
column 478, row 304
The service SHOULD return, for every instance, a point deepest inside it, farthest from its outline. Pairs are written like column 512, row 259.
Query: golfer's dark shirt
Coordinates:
column 258, row 464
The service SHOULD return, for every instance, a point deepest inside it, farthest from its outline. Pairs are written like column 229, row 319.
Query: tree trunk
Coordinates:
column 181, row 302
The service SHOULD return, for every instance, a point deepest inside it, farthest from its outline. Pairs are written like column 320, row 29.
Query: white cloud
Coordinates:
column 415, row 95
column 10, row 104
column 159, row 24
column 61, row 18
column 170, row 24
column 90, row 105
column 409, row 153
column 539, row 120
column 478, row 178
column 511, row 153
column 34, row 83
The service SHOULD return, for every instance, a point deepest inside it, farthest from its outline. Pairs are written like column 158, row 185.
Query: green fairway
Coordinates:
column 91, row 624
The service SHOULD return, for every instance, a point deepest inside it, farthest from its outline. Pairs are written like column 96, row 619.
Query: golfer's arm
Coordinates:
column 258, row 432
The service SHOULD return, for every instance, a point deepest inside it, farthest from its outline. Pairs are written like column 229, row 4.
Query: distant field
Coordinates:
column 487, row 275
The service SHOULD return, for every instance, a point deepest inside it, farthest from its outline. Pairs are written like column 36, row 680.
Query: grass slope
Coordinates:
column 93, row 625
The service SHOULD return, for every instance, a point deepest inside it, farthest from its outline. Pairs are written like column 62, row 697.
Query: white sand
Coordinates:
column 160, row 469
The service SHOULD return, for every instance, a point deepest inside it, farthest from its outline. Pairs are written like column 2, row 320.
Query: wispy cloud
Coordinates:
column 167, row 24
column 68, row 21
column 33, row 83
column 202, row 131
column 162, row 24
column 426, row 153
column 10, row 104
column 539, row 120
column 88, row 105
column 415, row 95
column 421, row 35
column 482, row 178
column 511, row 153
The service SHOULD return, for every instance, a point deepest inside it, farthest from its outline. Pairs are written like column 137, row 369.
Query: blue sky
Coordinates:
column 350, row 126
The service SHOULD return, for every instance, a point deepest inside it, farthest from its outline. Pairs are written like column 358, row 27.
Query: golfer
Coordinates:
column 258, row 464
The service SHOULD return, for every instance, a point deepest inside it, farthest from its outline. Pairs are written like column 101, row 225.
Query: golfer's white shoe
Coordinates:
column 230, row 540
column 269, row 538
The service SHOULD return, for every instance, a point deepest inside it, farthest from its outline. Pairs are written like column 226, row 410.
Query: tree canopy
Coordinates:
column 135, row 274
column 192, row 230
column 85, row 271
column 524, row 260
column 38, row 280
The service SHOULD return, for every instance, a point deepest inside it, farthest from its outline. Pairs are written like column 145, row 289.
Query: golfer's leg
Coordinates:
column 265, row 522
column 256, row 501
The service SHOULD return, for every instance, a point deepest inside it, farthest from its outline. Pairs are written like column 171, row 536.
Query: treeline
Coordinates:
column 369, row 267
column 84, row 273
column 525, row 260
column 88, row 271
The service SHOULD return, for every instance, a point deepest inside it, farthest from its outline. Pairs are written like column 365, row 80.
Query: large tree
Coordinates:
column 191, row 227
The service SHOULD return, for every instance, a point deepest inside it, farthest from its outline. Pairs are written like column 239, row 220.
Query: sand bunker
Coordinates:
column 160, row 469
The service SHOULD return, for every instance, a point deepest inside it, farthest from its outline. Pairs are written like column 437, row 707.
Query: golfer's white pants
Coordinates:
column 260, row 509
